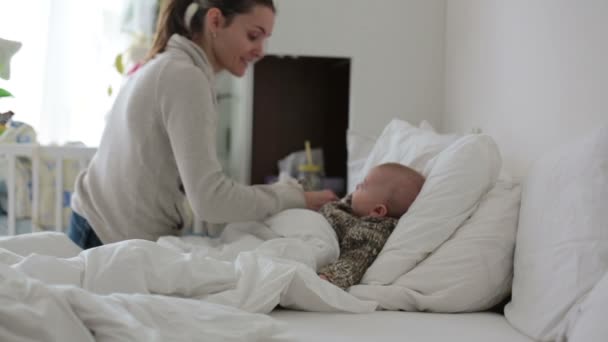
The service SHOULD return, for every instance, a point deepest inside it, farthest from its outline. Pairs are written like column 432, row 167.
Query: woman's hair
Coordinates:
column 172, row 13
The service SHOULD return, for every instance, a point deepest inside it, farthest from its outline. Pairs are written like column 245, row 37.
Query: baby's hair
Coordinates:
column 404, row 185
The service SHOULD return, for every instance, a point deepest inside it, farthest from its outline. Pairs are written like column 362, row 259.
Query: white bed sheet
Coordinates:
column 397, row 326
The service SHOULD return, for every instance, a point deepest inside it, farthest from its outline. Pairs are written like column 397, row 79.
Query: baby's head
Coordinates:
column 387, row 190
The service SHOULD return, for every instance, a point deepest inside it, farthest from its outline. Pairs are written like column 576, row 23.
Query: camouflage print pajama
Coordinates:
column 361, row 239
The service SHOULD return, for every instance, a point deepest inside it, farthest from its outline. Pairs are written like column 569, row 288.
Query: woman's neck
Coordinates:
column 205, row 45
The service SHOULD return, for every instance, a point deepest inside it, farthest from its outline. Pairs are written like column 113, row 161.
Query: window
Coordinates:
column 61, row 75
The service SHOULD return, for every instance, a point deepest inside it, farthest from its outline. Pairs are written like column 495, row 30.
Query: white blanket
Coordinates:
column 33, row 311
column 111, row 289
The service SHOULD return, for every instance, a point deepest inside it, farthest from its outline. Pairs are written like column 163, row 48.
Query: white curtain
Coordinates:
column 61, row 75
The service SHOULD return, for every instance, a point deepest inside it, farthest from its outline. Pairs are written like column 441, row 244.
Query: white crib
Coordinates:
column 59, row 154
column 35, row 152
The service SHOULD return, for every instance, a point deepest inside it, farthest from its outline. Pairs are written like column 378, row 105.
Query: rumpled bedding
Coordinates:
column 33, row 311
column 174, row 289
column 198, row 288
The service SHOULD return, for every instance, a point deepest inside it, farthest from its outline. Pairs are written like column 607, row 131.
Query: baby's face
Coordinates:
column 370, row 193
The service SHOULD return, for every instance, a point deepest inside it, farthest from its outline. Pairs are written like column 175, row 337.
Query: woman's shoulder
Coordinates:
column 171, row 67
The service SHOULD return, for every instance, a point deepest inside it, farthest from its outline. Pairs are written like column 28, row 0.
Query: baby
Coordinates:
column 365, row 219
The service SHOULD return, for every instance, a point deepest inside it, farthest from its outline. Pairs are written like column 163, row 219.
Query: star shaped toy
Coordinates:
column 7, row 49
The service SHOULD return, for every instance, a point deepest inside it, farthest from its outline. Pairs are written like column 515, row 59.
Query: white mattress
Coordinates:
column 398, row 326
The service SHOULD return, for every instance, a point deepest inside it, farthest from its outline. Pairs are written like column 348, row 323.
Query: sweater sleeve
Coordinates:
column 359, row 248
column 188, row 111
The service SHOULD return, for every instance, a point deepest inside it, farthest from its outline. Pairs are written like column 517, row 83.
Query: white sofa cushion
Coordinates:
column 562, row 246
column 462, row 174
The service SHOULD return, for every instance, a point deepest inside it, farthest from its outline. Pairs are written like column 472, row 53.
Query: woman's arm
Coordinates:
column 187, row 106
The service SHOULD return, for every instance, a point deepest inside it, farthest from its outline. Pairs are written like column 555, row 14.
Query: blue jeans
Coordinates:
column 81, row 233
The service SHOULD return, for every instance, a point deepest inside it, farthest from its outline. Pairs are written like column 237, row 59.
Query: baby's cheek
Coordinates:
column 354, row 198
column 354, row 203
column 355, row 207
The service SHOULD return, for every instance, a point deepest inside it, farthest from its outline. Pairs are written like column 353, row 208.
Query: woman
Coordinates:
column 159, row 142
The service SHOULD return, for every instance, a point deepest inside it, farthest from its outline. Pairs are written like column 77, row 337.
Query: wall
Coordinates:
column 532, row 74
column 396, row 47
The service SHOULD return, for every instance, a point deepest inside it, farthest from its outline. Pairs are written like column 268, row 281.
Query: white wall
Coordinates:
column 533, row 74
column 396, row 46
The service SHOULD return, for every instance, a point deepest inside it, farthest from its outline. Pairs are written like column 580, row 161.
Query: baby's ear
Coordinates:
column 380, row 210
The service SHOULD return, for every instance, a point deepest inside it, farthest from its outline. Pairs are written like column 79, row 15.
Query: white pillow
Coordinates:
column 359, row 146
column 562, row 247
column 471, row 271
column 406, row 144
column 397, row 137
column 426, row 125
column 463, row 173
column 589, row 318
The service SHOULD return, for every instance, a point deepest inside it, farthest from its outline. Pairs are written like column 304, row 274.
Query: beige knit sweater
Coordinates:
column 160, row 137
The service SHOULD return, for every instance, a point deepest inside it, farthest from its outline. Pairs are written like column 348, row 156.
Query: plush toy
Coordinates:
column 128, row 62
column 7, row 49
column 4, row 118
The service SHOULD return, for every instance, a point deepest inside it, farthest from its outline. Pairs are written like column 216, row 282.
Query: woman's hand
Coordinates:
column 316, row 199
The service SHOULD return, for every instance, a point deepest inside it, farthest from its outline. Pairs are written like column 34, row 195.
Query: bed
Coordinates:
column 434, row 281
column 397, row 326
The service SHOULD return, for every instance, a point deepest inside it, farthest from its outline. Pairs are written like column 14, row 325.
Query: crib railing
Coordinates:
column 59, row 154
column 36, row 152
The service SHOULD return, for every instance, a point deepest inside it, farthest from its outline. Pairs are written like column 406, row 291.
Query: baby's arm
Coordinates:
column 348, row 269
column 339, row 216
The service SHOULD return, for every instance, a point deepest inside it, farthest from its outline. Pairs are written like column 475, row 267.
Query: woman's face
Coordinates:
column 242, row 42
